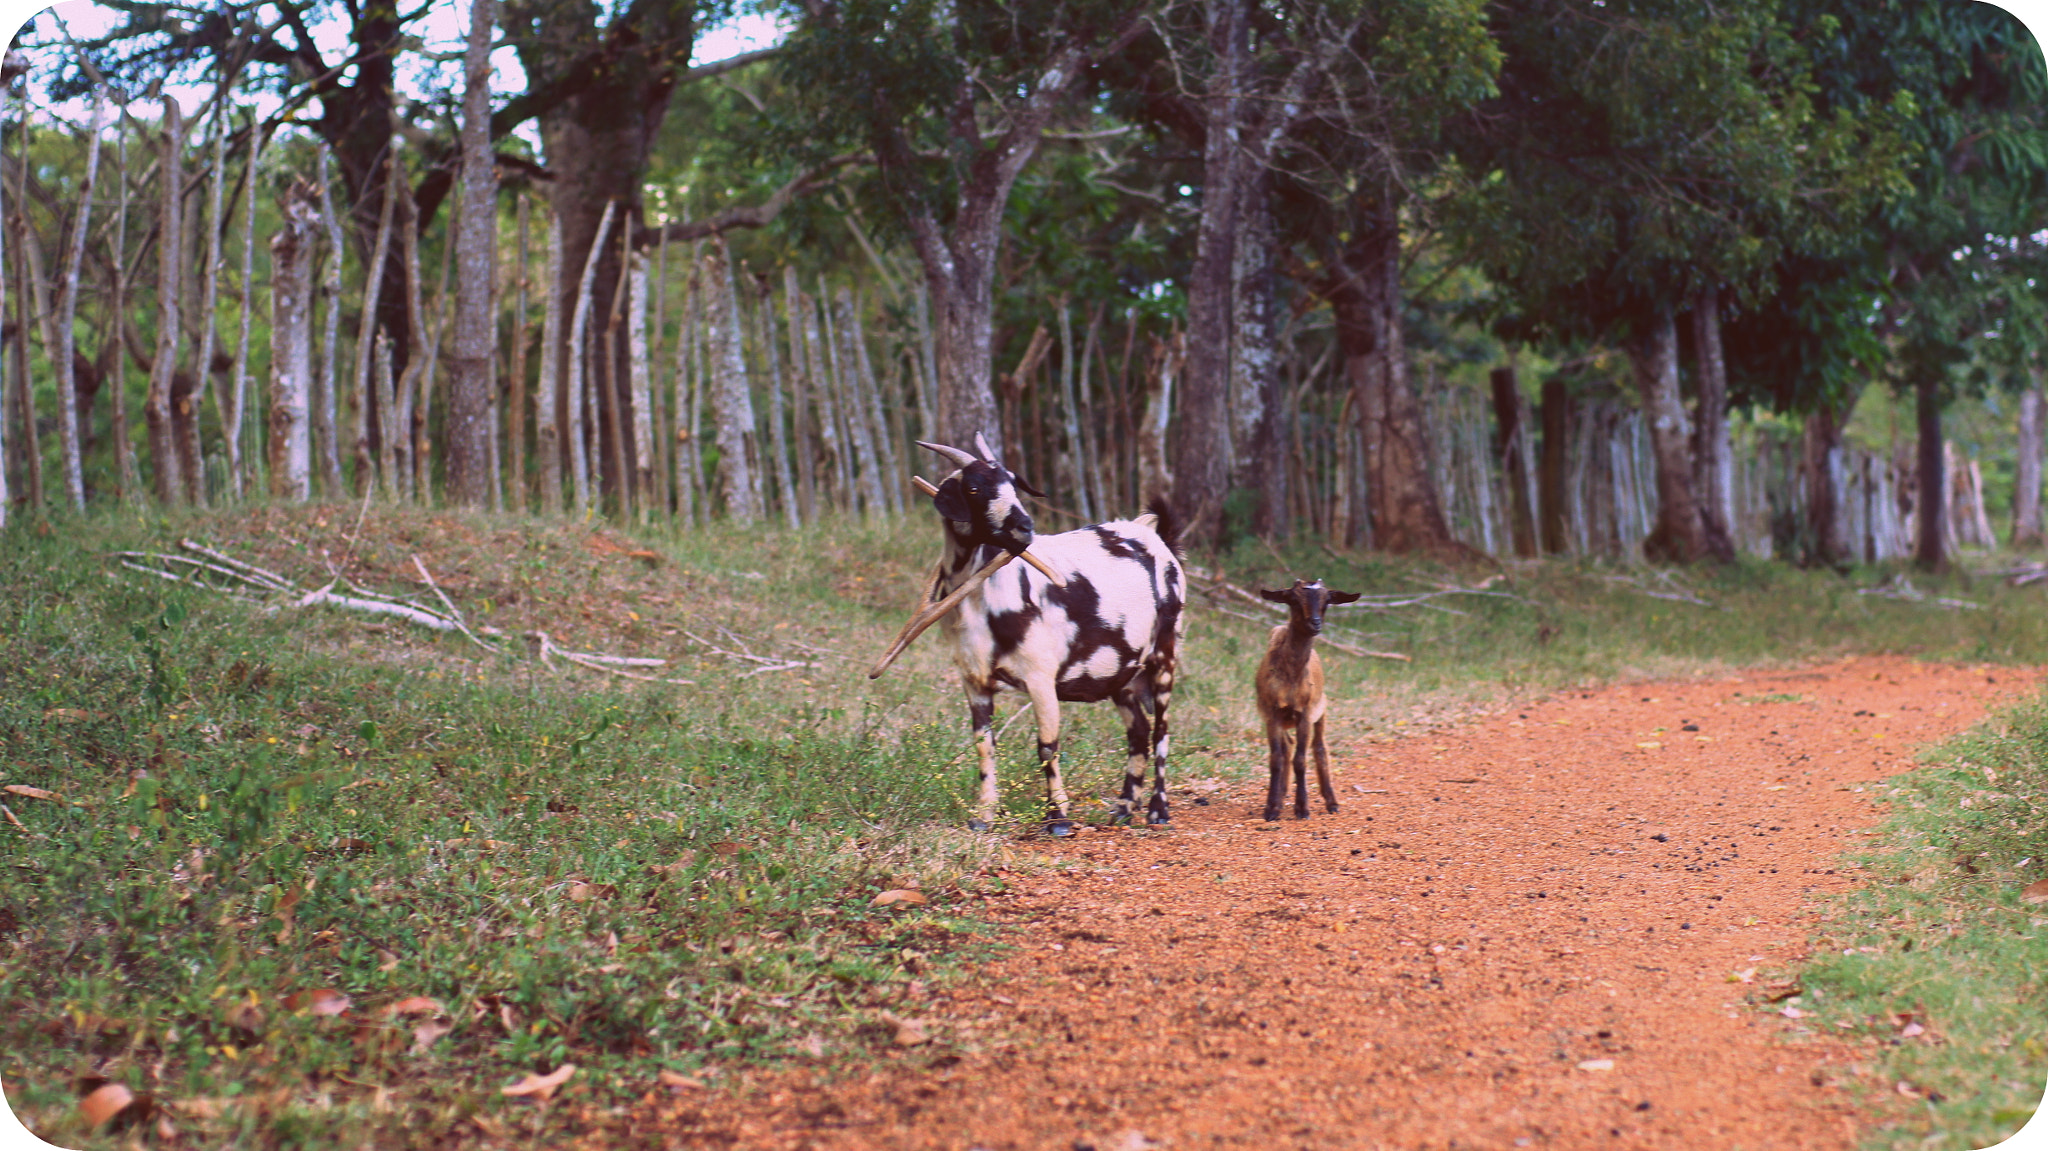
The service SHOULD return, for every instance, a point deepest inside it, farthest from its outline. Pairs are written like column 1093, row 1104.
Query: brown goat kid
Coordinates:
column 1290, row 687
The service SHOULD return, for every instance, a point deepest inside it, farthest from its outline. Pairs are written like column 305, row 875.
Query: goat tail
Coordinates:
column 1169, row 521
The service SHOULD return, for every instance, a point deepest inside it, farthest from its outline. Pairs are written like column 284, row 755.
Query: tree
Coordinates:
column 1642, row 159
column 915, row 81
column 471, row 481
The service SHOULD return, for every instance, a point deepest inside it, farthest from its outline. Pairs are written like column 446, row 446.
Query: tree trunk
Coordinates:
column 1163, row 365
column 469, row 431
column 1819, row 445
column 1713, row 454
column 1403, row 506
column 515, row 422
column 1507, row 446
column 209, row 303
column 231, row 429
column 732, row 405
column 574, row 398
column 2026, row 492
column 6, row 494
column 1930, row 553
column 778, row 440
column 1257, row 433
column 61, row 353
column 833, row 455
column 1679, row 536
column 291, row 348
column 326, row 421
column 1202, row 444
column 795, row 311
column 24, row 388
column 547, row 392
column 888, row 473
column 368, row 407
column 642, row 395
column 163, row 455
column 126, row 481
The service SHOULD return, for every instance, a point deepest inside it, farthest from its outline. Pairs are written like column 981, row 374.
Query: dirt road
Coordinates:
column 1519, row 933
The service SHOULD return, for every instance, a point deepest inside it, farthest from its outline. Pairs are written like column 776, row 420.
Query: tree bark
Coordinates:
column 1679, row 535
column 163, row 454
column 1257, row 434
column 469, row 431
column 61, row 354
column 369, row 409
column 1930, row 552
column 209, row 302
column 1163, row 365
column 2026, row 492
column 515, row 419
column 806, row 507
column 291, row 348
column 547, row 393
column 732, row 405
column 1713, row 454
column 1202, row 443
column 1819, row 445
column 1507, row 446
column 644, row 473
column 778, row 437
column 574, row 398
column 1402, row 503
column 326, row 415
column 231, row 424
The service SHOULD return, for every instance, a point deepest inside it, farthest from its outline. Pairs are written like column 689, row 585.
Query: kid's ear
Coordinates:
column 1344, row 596
column 949, row 502
column 1278, row 596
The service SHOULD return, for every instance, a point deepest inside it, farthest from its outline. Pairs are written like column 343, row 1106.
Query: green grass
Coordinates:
column 1943, row 940
column 253, row 803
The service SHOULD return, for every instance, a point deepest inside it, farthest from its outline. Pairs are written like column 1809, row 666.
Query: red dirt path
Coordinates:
column 1496, row 908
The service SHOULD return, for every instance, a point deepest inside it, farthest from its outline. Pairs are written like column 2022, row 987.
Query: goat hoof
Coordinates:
column 978, row 825
column 1059, row 828
column 1155, row 819
column 1272, row 817
column 1301, row 813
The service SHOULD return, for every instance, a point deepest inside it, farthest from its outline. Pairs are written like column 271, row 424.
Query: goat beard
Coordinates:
column 931, row 614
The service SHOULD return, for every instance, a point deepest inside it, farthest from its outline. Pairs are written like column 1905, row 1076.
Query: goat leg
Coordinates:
column 1323, row 769
column 1301, row 736
column 1276, row 768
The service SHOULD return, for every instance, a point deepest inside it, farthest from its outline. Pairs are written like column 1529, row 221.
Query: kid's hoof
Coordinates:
column 1059, row 828
column 1301, row 813
column 977, row 825
column 1156, row 819
column 1272, row 817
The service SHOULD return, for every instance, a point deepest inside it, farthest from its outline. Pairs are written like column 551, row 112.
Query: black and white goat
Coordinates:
column 1095, row 615
column 1289, row 685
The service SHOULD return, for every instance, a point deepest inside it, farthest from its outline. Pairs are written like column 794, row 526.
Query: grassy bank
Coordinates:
column 305, row 875
column 1942, row 963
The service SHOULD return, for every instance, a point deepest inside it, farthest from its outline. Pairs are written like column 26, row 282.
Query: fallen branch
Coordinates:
column 241, row 576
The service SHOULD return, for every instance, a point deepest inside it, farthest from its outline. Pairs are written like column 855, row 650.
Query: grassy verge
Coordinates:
column 1945, row 967
column 302, row 877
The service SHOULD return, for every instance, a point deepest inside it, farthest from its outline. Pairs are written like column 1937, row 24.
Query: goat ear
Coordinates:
column 1024, row 486
column 949, row 502
column 1278, row 596
column 1337, row 597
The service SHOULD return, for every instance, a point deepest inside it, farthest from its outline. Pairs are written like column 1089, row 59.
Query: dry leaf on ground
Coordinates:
column 24, row 789
column 413, row 1005
column 541, row 1087
column 900, row 895
column 320, row 1001
column 2036, row 892
column 104, row 1102
column 677, row 1081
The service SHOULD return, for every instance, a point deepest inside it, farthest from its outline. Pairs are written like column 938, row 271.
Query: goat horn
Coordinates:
column 981, row 445
column 924, row 485
column 955, row 454
column 932, row 614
